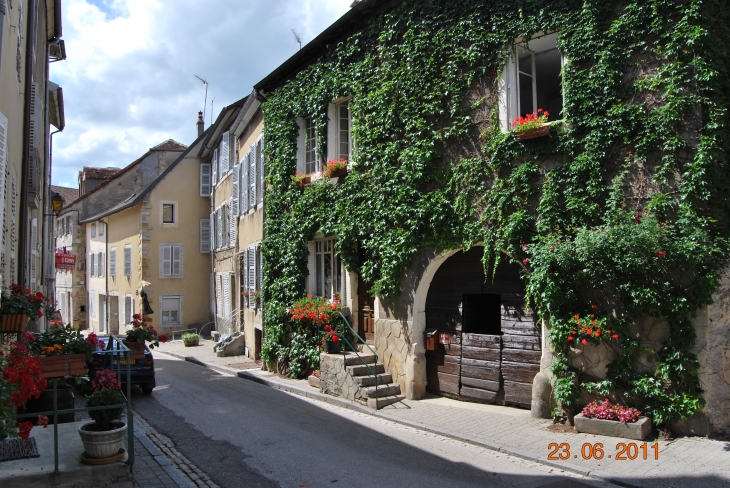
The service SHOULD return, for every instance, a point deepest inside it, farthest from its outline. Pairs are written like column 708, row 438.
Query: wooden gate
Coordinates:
column 494, row 350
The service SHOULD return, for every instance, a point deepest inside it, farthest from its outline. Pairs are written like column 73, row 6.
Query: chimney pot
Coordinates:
column 200, row 124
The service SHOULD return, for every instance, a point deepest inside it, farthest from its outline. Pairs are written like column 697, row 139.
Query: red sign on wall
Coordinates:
column 65, row 261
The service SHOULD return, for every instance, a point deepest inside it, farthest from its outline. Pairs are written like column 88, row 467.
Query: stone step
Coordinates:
column 355, row 360
column 363, row 370
column 370, row 380
column 384, row 401
column 385, row 390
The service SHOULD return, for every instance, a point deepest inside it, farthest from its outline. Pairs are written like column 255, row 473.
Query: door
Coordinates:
column 114, row 315
column 102, row 314
column 365, row 312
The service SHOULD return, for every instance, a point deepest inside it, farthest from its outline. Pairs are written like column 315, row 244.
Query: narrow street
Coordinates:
column 241, row 433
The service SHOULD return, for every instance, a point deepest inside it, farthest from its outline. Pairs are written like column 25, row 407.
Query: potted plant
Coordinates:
column 103, row 437
column 532, row 125
column 191, row 339
column 62, row 351
column 332, row 343
column 334, row 169
column 139, row 334
column 20, row 380
column 609, row 419
column 18, row 306
column 301, row 179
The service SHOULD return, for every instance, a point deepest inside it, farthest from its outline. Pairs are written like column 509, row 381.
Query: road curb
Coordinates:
column 350, row 405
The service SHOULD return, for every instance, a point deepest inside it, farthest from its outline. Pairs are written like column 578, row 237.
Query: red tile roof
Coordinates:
column 169, row 145
column 68, row 194
column 99, row 173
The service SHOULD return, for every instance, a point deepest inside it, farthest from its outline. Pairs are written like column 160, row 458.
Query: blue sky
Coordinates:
column 129, row 79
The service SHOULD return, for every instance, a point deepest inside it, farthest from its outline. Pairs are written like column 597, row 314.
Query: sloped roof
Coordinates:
column 169, row 145
column 99, row 173
column 68, row 194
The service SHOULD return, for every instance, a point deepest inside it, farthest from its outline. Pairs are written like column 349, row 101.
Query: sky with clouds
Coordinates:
column 128, row 82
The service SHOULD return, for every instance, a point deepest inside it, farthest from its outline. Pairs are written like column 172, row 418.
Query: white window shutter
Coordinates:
column 166, row 260
column 261, row 169
column 245, row 274
column 259, row 272
column 176, row 260
column 332, row 139
column 226, row 296
column 92, row 262
column 113, row 262
column 219, row 228
column 3, row 161
column 212, row 231
column 34, row 113
column 205, row 235
column 235, row 192
column 343, row 293
column 311, row 266
column 231, row 226
column 251, row 276
column 224, row 153
column 233, row 150
column 245, row 204
column 123, row 319
column 252, row 176
column 301, row 145
column 102, row 261
column 127, row 261
column 214, row 163
column 219, row 295
column 205, row 180
column 211, row 293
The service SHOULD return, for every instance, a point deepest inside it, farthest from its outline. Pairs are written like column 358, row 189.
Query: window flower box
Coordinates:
column 613, row 428
column 62, row 365
column 14, row 322
column 534, row 133
column 532, row 126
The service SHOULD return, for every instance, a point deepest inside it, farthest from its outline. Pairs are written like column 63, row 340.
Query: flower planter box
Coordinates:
column 636, row 430
column 63, row 365
column 337, row 173
column 136, row 349
column 15, row 322
column 332, row 347
column 533, row 133
column 305, row 181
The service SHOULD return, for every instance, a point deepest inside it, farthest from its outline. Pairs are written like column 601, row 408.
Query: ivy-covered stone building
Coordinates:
column 586, row 261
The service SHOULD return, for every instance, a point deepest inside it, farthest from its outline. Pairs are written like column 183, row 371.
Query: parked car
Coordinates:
column 142, row 370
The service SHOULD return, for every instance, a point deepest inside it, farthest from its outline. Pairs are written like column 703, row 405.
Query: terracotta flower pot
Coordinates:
column 14, row 322
column 63, row 365
column 533, row 133
column 136, row 349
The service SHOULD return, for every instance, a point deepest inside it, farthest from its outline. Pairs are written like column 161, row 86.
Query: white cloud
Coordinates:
column 128, row 81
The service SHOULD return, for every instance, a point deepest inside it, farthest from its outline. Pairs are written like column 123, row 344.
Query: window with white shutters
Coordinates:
column 226, row 295
column 219, row 295
column 339, row 144
column 102, row 264
column 205, row 180
column 326, row 272
column 219, row 228
column 232, row 219
column 113, row 262
column 92, row 304
column 170, row 310
column 243, row 202
column 171, row 260
column 128, row 260
column 234, row 192
column 214, row 163
column 92, row 264
column 244, row 278
column 251, row 276
column 259, row 273
column 252, row 176
column 261, row 168
column 205, row 235
column 223, row 154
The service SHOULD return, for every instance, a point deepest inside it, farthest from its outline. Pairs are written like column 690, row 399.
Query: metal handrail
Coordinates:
column 110, row 349
column 373, row 373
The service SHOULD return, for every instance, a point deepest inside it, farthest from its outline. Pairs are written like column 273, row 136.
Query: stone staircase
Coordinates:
column 350, row 376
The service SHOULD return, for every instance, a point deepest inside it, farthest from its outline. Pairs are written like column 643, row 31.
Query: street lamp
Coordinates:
column 56, row 203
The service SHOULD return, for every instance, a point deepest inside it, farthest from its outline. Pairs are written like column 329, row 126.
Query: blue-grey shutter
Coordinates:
column 245, row 275
column 214, row 163
column 261, row 169
column 205, row 235
column 252, row 176
column 244, row 202
column 232, row 224
column 224, row 153
column 205, row 180
column 251, row 276
column 113, row 262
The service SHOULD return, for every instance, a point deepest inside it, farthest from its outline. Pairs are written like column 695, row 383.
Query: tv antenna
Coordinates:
column 297, row 38
column 206, row 95
column 211, row 108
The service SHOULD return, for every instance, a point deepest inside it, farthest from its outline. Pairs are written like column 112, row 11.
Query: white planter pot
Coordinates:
column 102, row 444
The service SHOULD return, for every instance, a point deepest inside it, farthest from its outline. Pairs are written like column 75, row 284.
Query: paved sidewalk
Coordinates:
column 681, row 462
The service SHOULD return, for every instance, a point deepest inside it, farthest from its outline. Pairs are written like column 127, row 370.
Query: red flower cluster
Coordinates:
column 332, row 167
column 589, row 329
column 21, row 300
column 531, row 121
column 106, row 379
column 20, row 380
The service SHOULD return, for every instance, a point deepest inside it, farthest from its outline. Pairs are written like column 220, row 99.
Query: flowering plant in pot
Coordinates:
column 141, row 332
column 191, row 339
column 62, row 351
column 21, row 380
column 18, row 306
column 335, row 168
column 102, row 438
column 301, row 179
column 532, row 125
column 615, row 420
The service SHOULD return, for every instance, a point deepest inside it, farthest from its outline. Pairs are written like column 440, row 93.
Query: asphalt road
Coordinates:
column 242, row 434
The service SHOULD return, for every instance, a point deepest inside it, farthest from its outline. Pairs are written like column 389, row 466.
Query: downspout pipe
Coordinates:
column 106, row 275
column 23, row 245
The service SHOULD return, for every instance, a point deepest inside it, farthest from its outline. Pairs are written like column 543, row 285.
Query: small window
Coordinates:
column 168, row 213
column 170, row 313
column 310, row 146
column 93, row 230
column 328, row 269
column 343, row 131
column 101, row 229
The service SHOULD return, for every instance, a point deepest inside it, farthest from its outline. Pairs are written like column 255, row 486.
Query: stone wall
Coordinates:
column 334, row 378
column 714, row 355
column 392, row 344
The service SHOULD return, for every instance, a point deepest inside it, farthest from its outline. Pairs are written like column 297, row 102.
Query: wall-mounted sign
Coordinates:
column 65, row 261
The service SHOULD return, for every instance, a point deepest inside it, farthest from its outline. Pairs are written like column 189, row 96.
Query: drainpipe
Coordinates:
column 23, row 224
column 106, row 274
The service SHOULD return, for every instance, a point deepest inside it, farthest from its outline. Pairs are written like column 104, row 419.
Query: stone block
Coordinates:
column 636, row 430
column 314, row 381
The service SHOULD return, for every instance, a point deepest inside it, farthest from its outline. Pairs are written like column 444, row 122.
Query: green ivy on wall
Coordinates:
column 624, row 206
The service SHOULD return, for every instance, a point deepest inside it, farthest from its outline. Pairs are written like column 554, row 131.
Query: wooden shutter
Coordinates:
column 235, row 192
column 311, row 266
column 244, row 285
column 219, row 295
column 260, row 273
column 231, row 225
column 212, row 231
column 102, row 261
column 92, row 261
column 260, row 170
column 113, row 262
column 205, row 180
column 176, row 260
column 214, row 163
column 252, row 176
column 301, row 145
column 226, row 296
column 35, row 130
column 332, row 139
column 205, row 235
column 219, row 228
column 127, row 261
column 166, row 260
column 251, row 276
column 233, row 151
column 224, row 153
column 244, row 203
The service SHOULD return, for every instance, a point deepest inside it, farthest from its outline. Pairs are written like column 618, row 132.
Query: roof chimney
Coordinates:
column 201, row 124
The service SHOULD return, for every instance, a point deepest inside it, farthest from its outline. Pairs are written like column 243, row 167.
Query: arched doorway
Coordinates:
column 487, row 346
